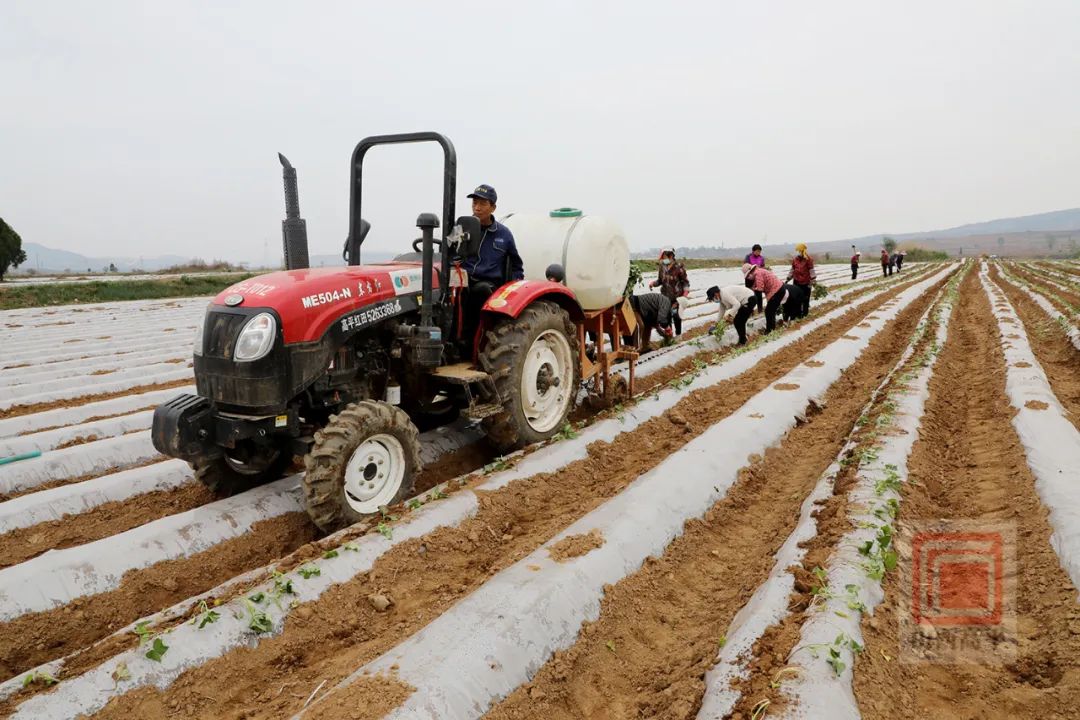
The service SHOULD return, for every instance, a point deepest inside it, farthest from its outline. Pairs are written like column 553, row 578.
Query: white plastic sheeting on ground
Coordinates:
column 90, row 691
column 1051, row 442
column 80, row 460
column 769, row 603
column 97, row 430
column 53, row 504
column 173, row 373
column 1071, row 330
column 817, row 691
column 495, row 639
column 65, row 416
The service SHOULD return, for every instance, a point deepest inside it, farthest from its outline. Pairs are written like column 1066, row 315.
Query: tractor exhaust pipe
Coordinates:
column 293, row 227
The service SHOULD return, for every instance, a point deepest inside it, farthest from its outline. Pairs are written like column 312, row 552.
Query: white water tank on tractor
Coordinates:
column 591, row 249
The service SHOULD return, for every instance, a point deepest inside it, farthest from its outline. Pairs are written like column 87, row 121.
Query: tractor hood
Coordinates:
column 308, row 301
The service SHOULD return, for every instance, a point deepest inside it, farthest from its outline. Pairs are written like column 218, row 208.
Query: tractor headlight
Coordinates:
column 199, row 335
column 256, row 338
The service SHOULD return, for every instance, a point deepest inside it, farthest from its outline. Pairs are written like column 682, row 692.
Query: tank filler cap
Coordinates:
column 565, row 212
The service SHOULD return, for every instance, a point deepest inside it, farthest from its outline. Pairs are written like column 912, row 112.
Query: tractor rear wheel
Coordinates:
column 363, row 459
column 533, row 360
column 227, row 476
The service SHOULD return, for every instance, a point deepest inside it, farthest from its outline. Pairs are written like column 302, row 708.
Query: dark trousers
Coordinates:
column 475, row 297
column 676, row 319
column 804, row 301
column 899, row 264
column 758, row 300
column 854, row 271
column 741, row 316
column 771, row 307
column 884, row 269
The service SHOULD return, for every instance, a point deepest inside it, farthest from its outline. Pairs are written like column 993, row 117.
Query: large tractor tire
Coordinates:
column 534, row 362
column 227, row 476
column 365, row 458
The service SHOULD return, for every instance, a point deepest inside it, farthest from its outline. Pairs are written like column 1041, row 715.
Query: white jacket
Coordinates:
column 732, row 297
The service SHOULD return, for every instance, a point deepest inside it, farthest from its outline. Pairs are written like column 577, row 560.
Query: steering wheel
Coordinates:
column 418, row 243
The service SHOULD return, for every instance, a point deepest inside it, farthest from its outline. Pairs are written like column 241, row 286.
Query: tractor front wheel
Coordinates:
column 232, row 474
column 363, row 459
column 534, row 362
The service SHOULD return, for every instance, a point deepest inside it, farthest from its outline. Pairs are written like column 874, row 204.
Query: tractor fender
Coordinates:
column 511, row 299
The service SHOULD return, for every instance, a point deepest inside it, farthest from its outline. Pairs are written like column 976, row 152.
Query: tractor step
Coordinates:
column 460, row 373
column 481, row 411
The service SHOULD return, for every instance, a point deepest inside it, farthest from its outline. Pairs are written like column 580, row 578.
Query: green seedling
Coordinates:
column 144, row 632
column 566, row 433
column 610, row 645
column 157, row 650
column 852, row 598
column 351, row 547
column 415, row 504
column 437, row 493
column 309, row 571
column 723, row 641
column 39, row 677
column 121, row 673
column 257, row 597
column 205, row 616
column 282, row 585
column 330, row 554
column 891, row 480
column 868, row 455
column 258, row 621
column 888, row 511
column 834, row 650
column 781, row 676
column 385, row 530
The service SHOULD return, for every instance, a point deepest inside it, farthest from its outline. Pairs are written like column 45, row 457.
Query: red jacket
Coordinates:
column 766, row 282
column 884, row 257
column 802, row 270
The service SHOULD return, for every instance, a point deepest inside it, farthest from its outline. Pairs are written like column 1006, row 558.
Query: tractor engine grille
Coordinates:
column 220, row 332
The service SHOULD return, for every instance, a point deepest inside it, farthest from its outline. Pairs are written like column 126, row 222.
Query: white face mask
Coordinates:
column 666, row 261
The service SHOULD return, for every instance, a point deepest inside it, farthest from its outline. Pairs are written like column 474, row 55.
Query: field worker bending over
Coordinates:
column 674, row 285
column 736, row 304
column 765, row 282
column 654, row 310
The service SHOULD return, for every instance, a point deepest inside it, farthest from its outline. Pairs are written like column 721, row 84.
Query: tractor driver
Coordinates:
column 496, row 261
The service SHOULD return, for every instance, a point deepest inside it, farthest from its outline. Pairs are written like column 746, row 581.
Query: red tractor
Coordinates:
column 341, row 364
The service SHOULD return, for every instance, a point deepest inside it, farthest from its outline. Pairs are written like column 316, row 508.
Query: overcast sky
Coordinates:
column 141, row 128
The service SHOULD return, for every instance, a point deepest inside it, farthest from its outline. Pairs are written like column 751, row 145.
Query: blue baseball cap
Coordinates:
column 485, row 192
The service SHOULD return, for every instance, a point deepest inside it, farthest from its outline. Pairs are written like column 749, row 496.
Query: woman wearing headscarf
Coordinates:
column 674, row 285
column 803, row 275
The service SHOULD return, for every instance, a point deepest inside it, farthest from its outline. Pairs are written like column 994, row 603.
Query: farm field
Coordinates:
column 746, row 538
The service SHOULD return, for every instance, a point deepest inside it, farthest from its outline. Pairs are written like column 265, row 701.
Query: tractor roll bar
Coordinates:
column 356, row 234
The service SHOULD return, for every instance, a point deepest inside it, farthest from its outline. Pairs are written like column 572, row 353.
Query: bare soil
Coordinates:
column 1059, row 359
column 665, row 622
column 32, row 408
column 968, row 464
column 100, row 522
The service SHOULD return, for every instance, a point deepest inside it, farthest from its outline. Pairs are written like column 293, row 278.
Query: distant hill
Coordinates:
column 1054, row 233
column 44, row 260
column 1056, row 221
